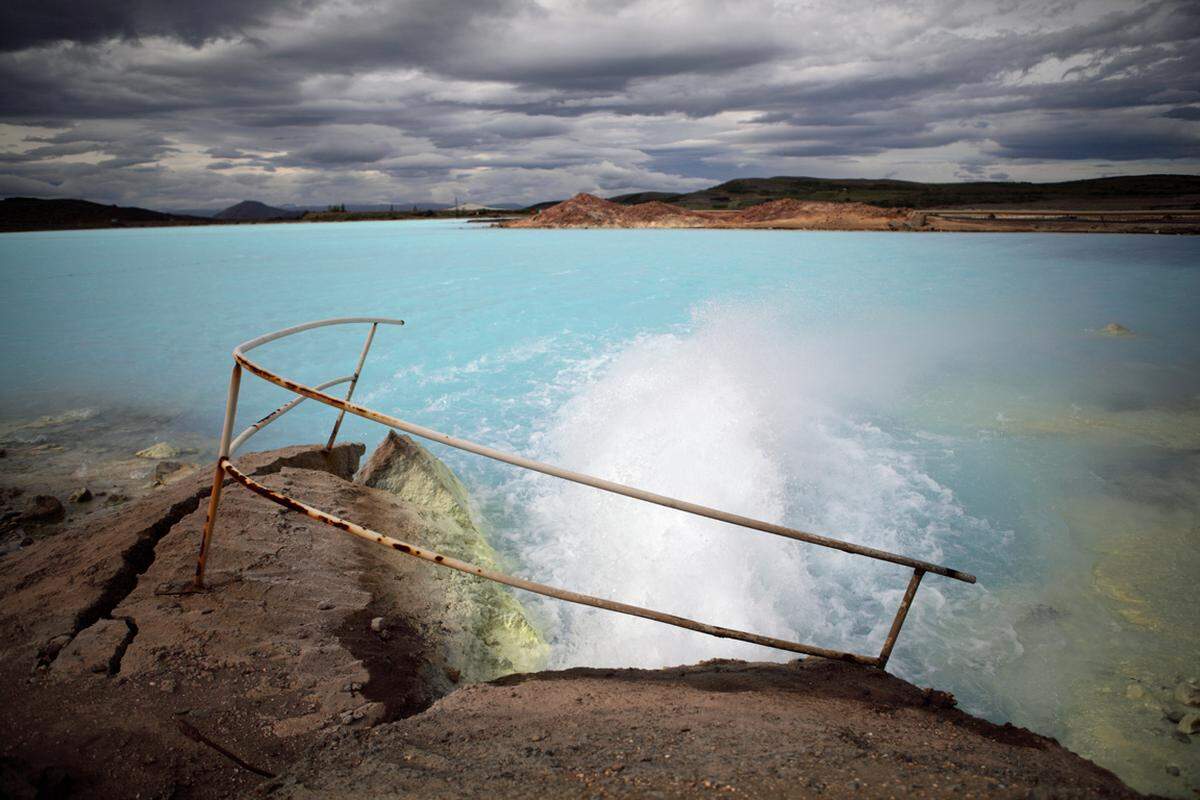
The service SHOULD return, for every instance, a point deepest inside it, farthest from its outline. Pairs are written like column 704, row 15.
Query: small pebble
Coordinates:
column 1188, row 694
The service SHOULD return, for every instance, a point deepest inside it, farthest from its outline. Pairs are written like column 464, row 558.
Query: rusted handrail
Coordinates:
column 229, row 445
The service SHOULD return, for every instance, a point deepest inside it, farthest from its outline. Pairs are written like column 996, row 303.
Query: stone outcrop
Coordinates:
column 491, row 633
column 302, row 629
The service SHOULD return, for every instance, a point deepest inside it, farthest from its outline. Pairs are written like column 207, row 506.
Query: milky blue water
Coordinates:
column 947, row 396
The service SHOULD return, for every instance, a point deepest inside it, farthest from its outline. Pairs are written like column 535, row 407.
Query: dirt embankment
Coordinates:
column 588, row 211
column 811, row 728
column 309, row 666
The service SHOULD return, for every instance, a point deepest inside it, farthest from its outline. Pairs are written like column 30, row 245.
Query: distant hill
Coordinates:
column 253, row 211
column 31, row 213
column 645, row 197
column 542, row 206
column 1135, row 191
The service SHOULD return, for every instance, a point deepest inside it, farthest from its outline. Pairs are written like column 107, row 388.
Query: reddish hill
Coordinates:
column 589, row 211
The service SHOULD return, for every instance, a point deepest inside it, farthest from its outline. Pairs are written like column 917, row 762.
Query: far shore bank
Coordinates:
column 589, row 211
column 1019, row 220
column 1130, row 204
column 208, row 223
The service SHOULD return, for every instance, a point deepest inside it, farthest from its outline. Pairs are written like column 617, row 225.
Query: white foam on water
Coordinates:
column 741, row 412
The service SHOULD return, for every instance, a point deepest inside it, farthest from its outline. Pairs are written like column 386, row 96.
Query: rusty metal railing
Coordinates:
column 229, row 444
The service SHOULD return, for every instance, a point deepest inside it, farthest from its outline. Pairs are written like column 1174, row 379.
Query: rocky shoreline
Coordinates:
column 321, row 665
column 57, row 470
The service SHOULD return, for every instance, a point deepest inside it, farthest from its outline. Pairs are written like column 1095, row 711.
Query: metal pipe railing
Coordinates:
column 353, row 382
column 225, row 467
column 245, row 435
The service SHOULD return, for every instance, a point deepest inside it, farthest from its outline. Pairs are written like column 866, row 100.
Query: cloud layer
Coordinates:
column 178, row 104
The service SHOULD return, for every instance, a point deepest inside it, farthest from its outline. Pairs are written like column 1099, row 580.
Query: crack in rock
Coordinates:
column 135, row 561
column 114, row 663
column 138, row 557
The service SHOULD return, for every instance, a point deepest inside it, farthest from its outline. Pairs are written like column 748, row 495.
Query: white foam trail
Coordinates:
column 742, row 414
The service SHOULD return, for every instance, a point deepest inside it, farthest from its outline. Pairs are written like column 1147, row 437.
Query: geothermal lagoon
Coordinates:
column 952, row 397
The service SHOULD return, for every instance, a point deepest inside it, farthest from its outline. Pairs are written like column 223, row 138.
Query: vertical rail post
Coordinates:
column 353, row 382
column 901, row 613
column 210, row 521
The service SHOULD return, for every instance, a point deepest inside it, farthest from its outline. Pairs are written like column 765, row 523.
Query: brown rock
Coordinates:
column 158, row 451
column 164, row 468
column 1188, row 694
column 96, row 649
column 53, row 647
column 43, row 508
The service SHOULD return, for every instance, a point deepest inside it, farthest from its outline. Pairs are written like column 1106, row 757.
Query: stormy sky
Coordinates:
column 181, row 104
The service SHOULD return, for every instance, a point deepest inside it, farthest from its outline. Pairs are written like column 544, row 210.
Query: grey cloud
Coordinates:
column 226, row 152
column 346, row 152
column 421, row 100
column 1097, row 142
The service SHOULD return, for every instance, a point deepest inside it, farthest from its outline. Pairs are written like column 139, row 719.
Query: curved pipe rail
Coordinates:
column 229, row 445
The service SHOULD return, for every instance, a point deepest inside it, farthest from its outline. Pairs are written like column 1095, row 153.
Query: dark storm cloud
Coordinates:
column 30, row 24
column 186, row 103
column 1184, row 112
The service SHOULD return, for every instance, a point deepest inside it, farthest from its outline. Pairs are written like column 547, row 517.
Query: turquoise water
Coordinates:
column 946, row 396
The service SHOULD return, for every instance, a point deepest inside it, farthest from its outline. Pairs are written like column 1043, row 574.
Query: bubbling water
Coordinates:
column 740, row 412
